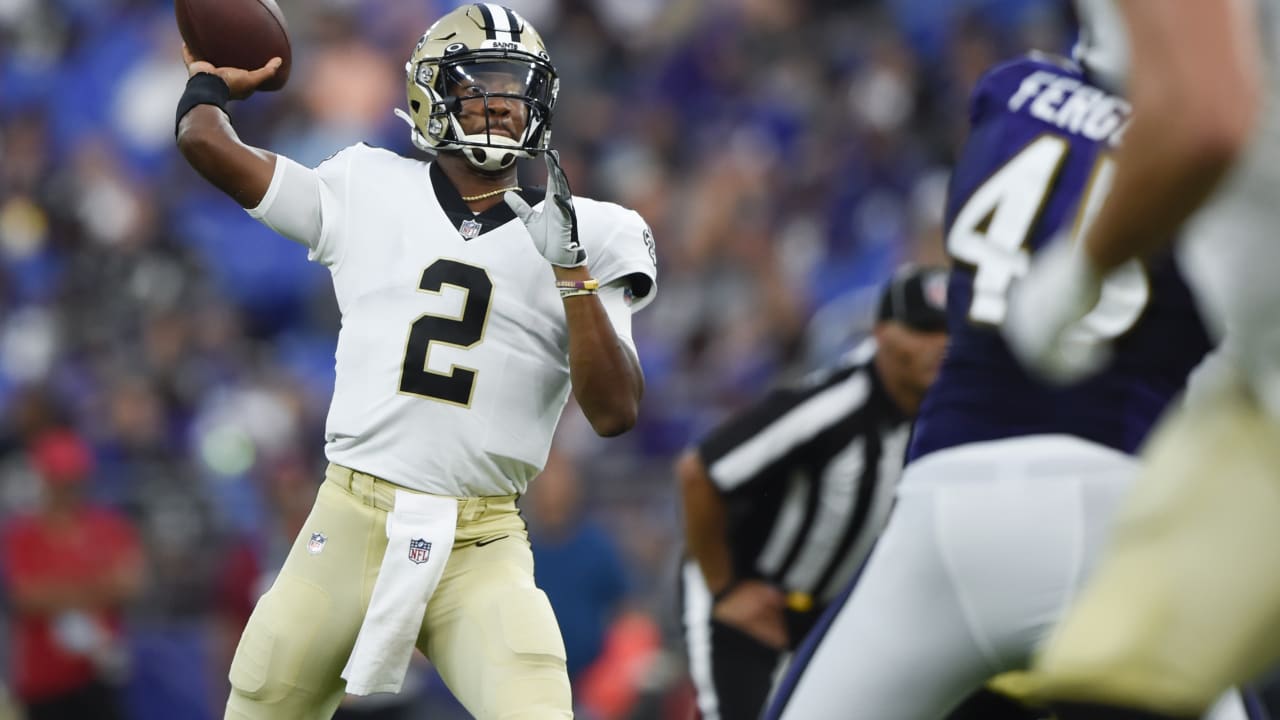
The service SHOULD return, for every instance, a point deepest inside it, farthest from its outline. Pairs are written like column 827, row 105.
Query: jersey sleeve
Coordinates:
column 624, row 250
column 306, row 205
column 616, row 299
column 991, row 93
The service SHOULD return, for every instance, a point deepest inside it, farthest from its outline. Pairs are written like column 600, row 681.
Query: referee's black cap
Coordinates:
column 917, row 298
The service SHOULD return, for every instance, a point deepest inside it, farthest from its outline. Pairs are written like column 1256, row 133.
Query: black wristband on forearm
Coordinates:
column 202, row 89
column 724, row 591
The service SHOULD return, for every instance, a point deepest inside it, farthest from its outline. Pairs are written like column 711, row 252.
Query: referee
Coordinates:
column 783, row 502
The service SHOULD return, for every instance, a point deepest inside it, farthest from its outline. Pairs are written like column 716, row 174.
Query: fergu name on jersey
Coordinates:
column 1072, row 105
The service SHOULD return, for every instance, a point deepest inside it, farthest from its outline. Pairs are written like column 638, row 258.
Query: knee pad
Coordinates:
column 271, row 657
column 529, row 647
column 527, row 624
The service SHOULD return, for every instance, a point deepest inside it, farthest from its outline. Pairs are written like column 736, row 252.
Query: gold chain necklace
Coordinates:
column 491, row 193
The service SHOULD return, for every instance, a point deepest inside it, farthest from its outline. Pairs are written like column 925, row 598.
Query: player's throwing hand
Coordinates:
column 554, row 228
column 242, row 83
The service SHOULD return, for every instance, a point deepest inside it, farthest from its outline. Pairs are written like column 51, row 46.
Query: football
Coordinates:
column 236, row 33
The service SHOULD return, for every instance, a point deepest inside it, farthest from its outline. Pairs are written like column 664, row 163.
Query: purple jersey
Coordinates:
column 1038, row 161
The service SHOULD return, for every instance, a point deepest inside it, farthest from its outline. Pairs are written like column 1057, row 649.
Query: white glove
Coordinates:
column 1043, row 327
column 554, row 228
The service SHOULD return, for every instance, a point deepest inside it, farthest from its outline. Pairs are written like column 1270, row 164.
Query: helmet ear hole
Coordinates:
column 417, row 106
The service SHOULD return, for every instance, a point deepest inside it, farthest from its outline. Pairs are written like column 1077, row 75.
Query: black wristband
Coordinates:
column 724, row 591
column 202, row 89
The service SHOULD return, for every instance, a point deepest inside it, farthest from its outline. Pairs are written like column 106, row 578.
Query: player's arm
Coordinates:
column 606, row 377
column 749, row 604
column 210, row 144
column 705, row 525
column 1195, row 86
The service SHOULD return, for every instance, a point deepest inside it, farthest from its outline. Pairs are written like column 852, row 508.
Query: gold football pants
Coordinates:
column 1186, row 600
column 489, row 631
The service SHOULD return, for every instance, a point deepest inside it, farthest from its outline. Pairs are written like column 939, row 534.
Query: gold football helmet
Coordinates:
column 480, row 82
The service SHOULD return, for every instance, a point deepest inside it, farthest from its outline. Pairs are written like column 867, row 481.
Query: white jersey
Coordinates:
column 452, row 361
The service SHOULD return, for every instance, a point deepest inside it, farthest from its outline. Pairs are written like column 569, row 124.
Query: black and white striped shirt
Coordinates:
column 808, row 476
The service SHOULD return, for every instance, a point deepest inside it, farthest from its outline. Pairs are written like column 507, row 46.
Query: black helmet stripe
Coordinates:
column 499, row 19
column 514, row 24
column 490, row 30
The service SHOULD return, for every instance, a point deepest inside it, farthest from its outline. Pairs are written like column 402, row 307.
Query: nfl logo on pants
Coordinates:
column 419, row 550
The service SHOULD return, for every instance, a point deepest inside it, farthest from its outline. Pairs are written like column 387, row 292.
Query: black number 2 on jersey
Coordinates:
column 457, row 385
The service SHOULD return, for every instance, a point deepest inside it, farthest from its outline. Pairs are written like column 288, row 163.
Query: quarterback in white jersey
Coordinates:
column 471, row 308
column 452, row 361
column 1184, row 601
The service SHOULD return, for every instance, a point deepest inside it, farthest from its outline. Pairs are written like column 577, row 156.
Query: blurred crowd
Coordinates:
column 170, row 360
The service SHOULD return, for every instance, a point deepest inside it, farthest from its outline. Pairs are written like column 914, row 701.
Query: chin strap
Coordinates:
column 491, row 153
column 489, row 159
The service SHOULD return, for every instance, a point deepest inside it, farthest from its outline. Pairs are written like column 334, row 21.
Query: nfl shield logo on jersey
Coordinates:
column 419, row 550
column 316, row 543
column 469, row 229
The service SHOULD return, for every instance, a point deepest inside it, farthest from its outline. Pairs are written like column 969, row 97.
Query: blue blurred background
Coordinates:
column 787, row 155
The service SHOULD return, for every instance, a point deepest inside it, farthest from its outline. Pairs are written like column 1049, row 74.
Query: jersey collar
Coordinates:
column 468, row 224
